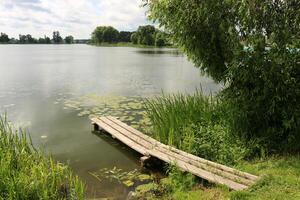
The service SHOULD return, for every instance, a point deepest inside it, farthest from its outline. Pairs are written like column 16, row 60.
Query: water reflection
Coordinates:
column 156, row 51
column 37, row 80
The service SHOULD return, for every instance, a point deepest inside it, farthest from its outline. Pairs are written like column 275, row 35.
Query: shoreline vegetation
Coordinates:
column 28, row 39
column 200, row 125
column 107, row 36
column 127, row 44
column 28, row 173
column 253, row 123
column 144, row 37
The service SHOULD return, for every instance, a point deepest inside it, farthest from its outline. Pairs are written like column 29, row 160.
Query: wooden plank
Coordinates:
column 169, row 159
column 197, row 171
column 157, row 147
column 148, row 146
column 190, row 156
column 122, row 138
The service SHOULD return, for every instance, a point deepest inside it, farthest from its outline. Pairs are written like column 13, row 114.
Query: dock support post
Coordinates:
column 96, row 127
column 144, row 160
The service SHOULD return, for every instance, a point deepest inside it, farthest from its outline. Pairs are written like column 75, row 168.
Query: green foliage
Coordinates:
column 280, row 179
column 45, row 40
column 27, row 39
column 267, row 94
column 26, row 173
column 160, row 39
column 69, row 39
column 253, row 46
column 146, row 35
column 110, row 35
column 125, row 36
column 97, row 35
column 4, row 38
column 134, row 38
column 180, row 180
column 56, row 38
column 202, row 29
column 196, row 124
column 105, row 34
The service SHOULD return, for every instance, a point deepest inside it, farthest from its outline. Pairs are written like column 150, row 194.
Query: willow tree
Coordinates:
column 105, row 34
column 252, row 46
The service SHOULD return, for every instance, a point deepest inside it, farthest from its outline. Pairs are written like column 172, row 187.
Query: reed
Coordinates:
column 170, row 113
column 27, row 173
column 197, row 124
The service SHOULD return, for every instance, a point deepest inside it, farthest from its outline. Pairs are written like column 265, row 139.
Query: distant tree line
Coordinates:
column 145, row 35
column 28, row 39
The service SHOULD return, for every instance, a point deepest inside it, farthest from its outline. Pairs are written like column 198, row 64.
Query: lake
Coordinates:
column 51, row 90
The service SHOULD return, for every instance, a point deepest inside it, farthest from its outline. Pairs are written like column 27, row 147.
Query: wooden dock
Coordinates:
column 149, row 147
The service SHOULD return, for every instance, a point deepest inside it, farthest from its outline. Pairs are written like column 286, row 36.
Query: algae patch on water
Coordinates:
column 130, row 110
column 127, row 178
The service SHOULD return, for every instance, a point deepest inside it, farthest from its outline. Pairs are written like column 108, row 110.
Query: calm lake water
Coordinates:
column 42, row 88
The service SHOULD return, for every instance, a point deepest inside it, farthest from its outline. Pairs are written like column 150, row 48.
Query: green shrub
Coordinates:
column 180, row 181
column 25, row 173
column 213, row 142
column 264, row 96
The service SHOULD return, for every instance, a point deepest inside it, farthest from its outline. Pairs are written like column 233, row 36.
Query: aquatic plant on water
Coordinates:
column 130, row 110
column 127, row 178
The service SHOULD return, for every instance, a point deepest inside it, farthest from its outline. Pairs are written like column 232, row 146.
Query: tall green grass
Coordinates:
column 26, row 173
column 197, row 124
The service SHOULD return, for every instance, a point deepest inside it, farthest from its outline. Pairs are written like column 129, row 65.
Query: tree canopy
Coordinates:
column 45, row 40
column 105, row 34
column 69, row 39
column 145, row 35
column 4, row 38
column 125, row 36
column 253, row 46
column 134, row 38
column 28, row 39
column 56, row 38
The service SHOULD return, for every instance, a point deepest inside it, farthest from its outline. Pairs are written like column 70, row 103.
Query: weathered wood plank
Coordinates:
column 190, row 156
column 199, row 172
column 142, row 150
column 158, row 147
column 148, row 146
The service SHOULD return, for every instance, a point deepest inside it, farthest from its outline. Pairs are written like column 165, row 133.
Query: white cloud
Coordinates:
column 70, row 17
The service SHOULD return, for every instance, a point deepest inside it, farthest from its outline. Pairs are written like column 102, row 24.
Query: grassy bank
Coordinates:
column 280, row 182
column 201, row 125
column 26, row 173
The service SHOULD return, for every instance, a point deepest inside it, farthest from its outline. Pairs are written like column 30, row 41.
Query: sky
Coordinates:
column 70, row 17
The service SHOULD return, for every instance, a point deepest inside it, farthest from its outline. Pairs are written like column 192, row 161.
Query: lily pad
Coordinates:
column 144, row 177
column 128, row 183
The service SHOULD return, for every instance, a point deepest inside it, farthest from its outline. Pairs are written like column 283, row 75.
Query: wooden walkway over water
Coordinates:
column 149, row 147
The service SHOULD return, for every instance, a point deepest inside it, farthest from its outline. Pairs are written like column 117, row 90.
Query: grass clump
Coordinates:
column 280, row 181
column 197, row 124
column 280, row 178
column 26, row 173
